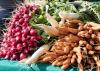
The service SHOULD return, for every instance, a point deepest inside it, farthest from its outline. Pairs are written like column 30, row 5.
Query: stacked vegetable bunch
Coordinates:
column 20, row 37
column 77, row 44
column 65, row 41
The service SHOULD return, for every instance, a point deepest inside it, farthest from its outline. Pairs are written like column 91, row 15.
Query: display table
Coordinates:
column 7, row 65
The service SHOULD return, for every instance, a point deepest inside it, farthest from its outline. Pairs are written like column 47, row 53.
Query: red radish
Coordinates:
column 9, row 53
column 18, row 14
column 35, row 44
column 22, row 56
column 13, row 30
column 7, row 57
column 19, row 46
column 9, row 34
column 25, row 10
column 33, row 38
column 12, row 50
column 14, row 44
column 25, row 31
column 33, row 32
column 30, row 15
column 26, row 50
column 30, row 49
column 25, row 24
column 29, row 28
column 12, row 40
column 8, row 39
column 24, row 44
column 4, row 52
column 9, row 29
column 6, row 45
column 25, row 16
column 1, row 54
column 30, row 43
column 20, row 37
column 14, row 56
column 18, row 29
column 28, row 37
column 21, row 20
column 12, row 26
column 18, row 34
column 23, row 39
column 17, row 23
column 38, row 37
column 26, row 19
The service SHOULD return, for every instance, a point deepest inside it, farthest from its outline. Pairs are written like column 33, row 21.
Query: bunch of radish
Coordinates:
column 20, row 37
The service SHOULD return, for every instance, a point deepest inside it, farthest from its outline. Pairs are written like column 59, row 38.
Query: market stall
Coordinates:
column 45, row 35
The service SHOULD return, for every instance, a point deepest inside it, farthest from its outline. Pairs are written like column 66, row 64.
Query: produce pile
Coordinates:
column 55, row 32
column 20, row 37
column 77, row 43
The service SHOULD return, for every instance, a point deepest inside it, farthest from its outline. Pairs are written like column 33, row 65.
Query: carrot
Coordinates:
column 98, row 63
column 93, row 24
column 96, row 28
column 55, row 62
column 91, row 52
column 80, row 66
column 67, row 61
column 75, row 44
column 65, row 66
column 97, row 48
column 47, row 59
column 67, row 49
column 59, row 63
column 78, row 53
column 97, row 68
column 73, row 58
column 60, row 52
column 79, row 59
column 62, row 57
column 89, row 47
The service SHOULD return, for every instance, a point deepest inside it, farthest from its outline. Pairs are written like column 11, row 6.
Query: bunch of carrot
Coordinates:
column 77, row 43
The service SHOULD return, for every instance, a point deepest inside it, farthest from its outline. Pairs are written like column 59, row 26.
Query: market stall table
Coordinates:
column 8, row 65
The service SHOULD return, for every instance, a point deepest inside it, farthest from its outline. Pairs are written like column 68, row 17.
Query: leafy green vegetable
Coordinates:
column 90, row 11
column 56, row 7
column 39, row 17
column 87, row 11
